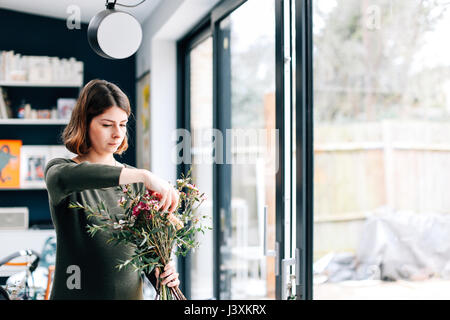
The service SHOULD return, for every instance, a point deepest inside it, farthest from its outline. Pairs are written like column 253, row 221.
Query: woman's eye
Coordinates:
column 108, row 125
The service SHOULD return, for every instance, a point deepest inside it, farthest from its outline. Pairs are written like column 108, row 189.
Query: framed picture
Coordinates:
column 143, row 122
column 33, row 160
column 10, row 151
column 65, row 107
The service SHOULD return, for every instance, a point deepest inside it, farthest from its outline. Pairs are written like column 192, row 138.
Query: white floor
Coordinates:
column 431, row 289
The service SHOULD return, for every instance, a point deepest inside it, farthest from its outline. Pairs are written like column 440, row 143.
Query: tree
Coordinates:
column 364, row 56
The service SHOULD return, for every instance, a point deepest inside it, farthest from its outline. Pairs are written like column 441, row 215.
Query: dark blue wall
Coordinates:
column 36, row 35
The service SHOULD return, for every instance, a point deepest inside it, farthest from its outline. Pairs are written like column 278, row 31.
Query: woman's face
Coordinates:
column 107, row 130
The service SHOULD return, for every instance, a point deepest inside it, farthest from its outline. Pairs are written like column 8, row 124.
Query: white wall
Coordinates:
column 16, row 240
column 150, row 27
column 163, row 103
column 170, row 21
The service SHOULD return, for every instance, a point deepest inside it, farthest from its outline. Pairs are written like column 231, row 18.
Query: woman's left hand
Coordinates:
column 169, row 275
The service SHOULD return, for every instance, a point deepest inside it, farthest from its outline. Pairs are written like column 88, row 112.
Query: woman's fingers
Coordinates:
column 175, row 200
column 168, row 201
column 173, row 276
column 169, row 196
column 163, row 200
column 174, row 283
column 168, row 269
column 170, row 275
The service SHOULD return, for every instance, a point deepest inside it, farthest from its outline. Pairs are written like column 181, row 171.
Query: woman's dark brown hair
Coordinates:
column 96, row 97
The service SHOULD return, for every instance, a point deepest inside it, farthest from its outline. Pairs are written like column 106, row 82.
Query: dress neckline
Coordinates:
column 123, row 164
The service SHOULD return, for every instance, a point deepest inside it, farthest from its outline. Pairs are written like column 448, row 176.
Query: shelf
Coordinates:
column 34, row 121
column 37, row 84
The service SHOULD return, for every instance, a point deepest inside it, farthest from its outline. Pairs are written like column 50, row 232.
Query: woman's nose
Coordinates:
column 116, row 131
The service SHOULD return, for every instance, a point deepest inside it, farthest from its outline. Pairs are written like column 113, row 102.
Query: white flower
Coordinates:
column 132, row 221
column 121, row 201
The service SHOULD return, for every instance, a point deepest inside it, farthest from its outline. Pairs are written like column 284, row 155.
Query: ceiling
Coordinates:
column 87, row 8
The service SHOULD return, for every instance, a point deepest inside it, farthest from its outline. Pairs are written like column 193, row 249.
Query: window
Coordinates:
column 381, row 148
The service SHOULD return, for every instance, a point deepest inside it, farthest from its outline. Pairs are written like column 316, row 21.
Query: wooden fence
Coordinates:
column 362, row 167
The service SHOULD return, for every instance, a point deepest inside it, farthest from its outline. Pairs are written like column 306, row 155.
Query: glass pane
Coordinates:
column 250, row 38
column 382, row 152
column 290, row 31
column 202, row 172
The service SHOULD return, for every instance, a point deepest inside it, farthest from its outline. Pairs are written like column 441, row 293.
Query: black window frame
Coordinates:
column 209, row 26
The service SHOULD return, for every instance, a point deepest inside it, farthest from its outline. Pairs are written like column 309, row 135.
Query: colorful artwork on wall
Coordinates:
column 10, row 163
column 143, row 126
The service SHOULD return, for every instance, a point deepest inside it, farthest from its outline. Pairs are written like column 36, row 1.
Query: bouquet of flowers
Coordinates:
column 153, row 234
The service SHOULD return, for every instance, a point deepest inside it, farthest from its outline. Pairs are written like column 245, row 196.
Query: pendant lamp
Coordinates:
column 114, row 34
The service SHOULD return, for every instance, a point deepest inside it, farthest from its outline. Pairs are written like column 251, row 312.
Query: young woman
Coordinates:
column 85, row 266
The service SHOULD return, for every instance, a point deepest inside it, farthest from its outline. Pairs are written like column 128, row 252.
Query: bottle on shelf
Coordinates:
column 21, row 110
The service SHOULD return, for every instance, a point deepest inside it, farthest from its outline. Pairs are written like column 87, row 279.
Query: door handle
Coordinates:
column 271, row 253
column 285, row 263
column 297, row 266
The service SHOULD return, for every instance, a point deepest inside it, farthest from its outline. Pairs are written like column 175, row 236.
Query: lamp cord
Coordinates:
column 111, row 5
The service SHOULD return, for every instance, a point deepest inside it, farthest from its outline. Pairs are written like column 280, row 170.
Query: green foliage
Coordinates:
column 152, row 234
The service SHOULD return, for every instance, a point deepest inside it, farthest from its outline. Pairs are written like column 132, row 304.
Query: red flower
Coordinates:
column 148, row 216
column 136, row 211
column 157, row 195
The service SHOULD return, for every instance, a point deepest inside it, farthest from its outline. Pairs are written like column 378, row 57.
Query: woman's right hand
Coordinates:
column 169, row 195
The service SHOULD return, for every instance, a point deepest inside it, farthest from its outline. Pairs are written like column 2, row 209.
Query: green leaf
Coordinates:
column 75, row 205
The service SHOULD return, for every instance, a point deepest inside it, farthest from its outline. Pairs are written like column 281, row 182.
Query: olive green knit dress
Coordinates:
column 78, row 254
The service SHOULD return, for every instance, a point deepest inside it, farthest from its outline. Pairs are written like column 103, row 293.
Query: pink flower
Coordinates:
column 136, row 211
column 122, row 200
column 192, row 188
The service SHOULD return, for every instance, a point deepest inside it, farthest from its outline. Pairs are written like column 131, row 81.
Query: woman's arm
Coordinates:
column 63, row 178
column 129, row 175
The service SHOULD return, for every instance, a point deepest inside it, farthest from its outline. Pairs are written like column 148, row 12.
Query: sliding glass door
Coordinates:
column 201, row 123
column 245, row 45
column 237, row 102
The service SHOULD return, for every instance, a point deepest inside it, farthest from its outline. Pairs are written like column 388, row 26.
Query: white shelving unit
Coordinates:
column 16, row 121
column 38, row 84
column 30, row 124
column 34, row 121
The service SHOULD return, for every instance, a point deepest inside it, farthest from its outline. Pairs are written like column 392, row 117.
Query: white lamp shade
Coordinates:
column 114, row 34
